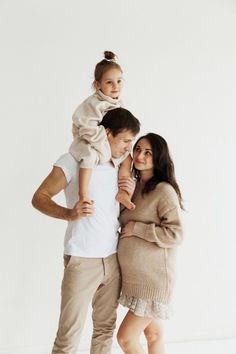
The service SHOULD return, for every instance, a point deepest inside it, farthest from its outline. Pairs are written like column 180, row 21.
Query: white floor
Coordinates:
column 198, row 347
column 205, row 347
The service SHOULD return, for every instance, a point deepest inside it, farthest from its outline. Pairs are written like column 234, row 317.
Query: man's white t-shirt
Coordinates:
column 95, row 236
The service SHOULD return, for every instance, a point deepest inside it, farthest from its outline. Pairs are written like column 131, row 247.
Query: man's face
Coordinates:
column 121, row 143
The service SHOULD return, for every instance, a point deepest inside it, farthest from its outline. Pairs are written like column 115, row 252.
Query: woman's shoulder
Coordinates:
column 163, row 190
column 161, row 187
column 165, row 186
column 166, row 191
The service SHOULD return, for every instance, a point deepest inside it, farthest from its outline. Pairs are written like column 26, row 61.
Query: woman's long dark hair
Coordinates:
column 163, row 166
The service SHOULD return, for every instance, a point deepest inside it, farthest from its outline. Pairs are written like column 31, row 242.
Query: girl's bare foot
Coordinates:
column 123, row 198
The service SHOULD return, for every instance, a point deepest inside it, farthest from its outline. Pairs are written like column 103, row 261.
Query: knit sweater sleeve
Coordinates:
column 87, row 118
column 167, row 233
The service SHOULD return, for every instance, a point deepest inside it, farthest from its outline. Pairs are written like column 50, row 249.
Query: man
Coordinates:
column 91, row 269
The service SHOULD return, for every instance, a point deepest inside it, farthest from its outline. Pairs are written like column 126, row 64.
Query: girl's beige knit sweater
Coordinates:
column 147, row 258
column 90, row 146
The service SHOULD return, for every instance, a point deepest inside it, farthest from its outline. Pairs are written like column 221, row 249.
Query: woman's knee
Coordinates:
column 153, row 335
column 124, row 340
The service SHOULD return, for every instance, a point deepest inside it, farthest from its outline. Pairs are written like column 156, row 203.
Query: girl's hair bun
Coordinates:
column 109, row 55
column 109, row 62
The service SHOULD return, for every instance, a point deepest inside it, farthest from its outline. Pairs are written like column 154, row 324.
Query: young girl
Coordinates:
column 90, row 146
column 147, row 248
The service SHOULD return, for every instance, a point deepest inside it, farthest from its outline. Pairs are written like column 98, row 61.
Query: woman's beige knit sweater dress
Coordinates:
column 147, row 258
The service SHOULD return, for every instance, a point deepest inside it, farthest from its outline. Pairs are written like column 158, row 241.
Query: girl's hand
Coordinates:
column 128, row 229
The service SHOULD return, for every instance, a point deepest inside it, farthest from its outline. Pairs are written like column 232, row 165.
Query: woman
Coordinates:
column 147, row 248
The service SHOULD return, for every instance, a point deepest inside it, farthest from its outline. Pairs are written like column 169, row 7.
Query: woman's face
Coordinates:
column 142, row 156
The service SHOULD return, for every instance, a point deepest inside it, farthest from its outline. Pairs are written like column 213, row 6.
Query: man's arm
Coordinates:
column 54, row 183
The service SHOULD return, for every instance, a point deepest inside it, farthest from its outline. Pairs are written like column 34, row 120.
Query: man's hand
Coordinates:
column 127, row 184
column 51, row 186
column 81, row 209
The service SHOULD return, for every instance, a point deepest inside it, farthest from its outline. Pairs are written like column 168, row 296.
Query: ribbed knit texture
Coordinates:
column 147, row 258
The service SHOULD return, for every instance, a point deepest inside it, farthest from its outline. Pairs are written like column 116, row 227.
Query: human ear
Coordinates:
column 108, row 131
column 97, row 85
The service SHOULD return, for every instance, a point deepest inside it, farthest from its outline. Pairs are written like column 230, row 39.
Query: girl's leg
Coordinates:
column 154, row 335
column 129, row 332
column 122, row 196
column 84, row 178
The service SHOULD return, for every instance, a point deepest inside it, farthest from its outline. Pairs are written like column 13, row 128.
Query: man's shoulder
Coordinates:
column 68, row 164
column 66, row 159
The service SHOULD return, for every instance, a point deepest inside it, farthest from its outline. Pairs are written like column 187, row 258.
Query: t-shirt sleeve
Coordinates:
column 68, row 165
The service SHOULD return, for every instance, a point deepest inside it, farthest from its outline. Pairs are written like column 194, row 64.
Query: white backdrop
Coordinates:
column 179, row 66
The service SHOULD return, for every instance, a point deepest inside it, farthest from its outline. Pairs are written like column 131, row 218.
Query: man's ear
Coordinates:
column 108, row 131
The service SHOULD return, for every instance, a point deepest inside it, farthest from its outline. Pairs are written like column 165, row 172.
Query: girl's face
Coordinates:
column 110, row 83
column 142, row 156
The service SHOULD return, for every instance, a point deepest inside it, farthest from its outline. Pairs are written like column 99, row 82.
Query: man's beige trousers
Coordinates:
column 87, row 280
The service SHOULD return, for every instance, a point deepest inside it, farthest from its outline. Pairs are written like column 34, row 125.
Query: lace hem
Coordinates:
column 146, row 308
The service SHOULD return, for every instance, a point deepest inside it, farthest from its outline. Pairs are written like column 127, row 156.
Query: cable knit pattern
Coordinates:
column 147, row 258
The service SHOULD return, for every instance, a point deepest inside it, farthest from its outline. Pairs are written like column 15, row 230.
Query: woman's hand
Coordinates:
column 128, row 229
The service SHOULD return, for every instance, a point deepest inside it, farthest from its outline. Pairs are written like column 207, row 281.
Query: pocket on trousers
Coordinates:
column 66, row 260
column 72, row 263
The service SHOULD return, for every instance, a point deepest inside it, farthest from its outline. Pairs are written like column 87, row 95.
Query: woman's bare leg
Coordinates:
column 129, row 333
column 154, row 335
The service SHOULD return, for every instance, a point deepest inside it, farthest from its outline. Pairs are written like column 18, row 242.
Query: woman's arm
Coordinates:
column 167, row 233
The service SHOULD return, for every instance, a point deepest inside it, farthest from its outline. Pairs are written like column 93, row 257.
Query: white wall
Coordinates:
column 179, row 64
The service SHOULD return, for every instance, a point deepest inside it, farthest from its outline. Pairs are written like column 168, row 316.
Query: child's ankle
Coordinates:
column 83, row 197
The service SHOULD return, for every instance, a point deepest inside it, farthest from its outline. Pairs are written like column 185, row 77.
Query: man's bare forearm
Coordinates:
column 47, row 206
